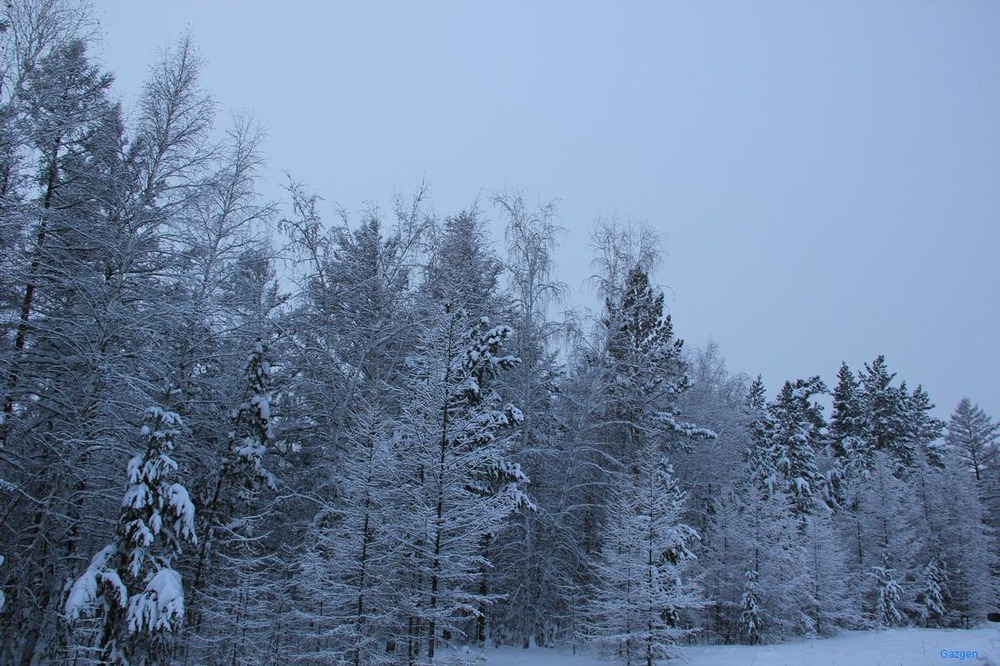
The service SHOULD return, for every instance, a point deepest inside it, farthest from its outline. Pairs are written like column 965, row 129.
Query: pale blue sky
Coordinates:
column 826, row 175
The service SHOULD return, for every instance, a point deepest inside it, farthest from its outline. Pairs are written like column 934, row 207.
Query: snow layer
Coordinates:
column 894, row 647
column 160, row 607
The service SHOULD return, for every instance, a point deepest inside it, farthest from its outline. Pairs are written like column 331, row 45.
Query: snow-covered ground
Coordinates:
column 897, row 647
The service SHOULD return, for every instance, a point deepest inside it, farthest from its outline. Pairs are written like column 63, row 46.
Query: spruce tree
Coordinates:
column 887, row 427
column 924, row 429
column 785, row 442
column 847, row 422
column 750, row 623
column 756, row 397
column 131, row 586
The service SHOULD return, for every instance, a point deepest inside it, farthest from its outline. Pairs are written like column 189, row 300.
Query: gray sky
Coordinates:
column 826, row 176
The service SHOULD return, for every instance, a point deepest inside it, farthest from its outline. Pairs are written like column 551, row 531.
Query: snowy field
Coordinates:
column 897, row 647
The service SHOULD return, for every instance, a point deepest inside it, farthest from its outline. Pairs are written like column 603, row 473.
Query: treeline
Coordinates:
column 394, row 449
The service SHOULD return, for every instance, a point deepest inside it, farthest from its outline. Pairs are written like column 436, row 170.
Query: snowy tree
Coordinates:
column 973, row 436
column 642, row 374
column 932, row 591
column 252, row 432
column 722, row 563
column 846, row 433
column 871, row 414
column 641, row 588
column 756, row 397
column 69, row 382
column 362, row 476
column 624, row 393
column 718, row 401
column 789, row 569
column 646, row 370
column 750, row 623
column 924, row 429
column 65, row 98
column 640, row 360
column 887, row 426
column 829, row 606
column 355, row 552
column 771, row 546
column 229, row 575
column 532, row 557
column 785, row 441
column 462, row 269
column 130, row 585
column 354, row 327
column 888, row 595
column 353, row 322
column 454, row 435
column 968, row 547
column 881, row 528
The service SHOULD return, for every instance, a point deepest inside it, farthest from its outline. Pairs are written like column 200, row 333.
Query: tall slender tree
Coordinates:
column 532, row 556
column 455, row 432
column 641, row 588
column 973, row 437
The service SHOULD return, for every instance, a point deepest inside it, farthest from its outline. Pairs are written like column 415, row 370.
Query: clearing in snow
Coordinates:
column 893, row 647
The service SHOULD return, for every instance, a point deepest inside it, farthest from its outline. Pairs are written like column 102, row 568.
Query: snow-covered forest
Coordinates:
column 235, row 432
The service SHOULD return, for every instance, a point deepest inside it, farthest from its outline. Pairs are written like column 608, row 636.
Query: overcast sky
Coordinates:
column 826, row 176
